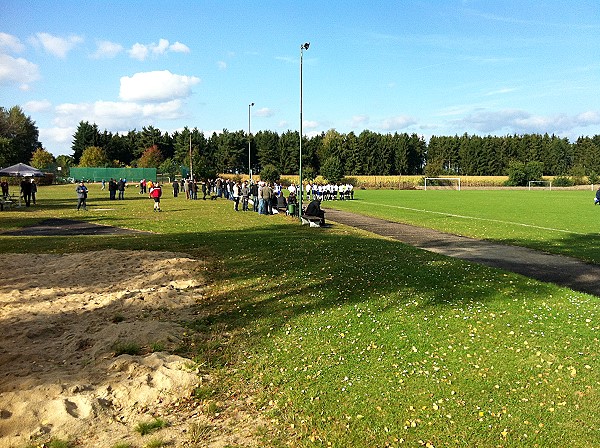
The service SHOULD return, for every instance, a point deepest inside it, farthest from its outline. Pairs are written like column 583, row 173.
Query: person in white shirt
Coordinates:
column 236, row 196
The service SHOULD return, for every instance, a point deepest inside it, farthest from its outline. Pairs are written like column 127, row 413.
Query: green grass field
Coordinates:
column 340, row 338
column 564, row 222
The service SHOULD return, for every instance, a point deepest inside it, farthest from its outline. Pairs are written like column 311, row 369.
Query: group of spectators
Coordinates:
column 28, row 191
column 263, row 197
column 115, row 187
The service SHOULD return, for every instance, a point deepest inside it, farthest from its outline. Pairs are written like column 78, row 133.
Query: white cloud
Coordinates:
column 37, row 106
column 397, row 123
column 502, row 91
column 520, row 121
column 222, row 65
column 11, row 43
column 156, row 86
column 359, row 121
column 57, row 140
column 55, row 45
column 178, row 47
column 17, row 71
column 265, row 112
column 310, row 124
column 115, row 115
column 142, row 51
column 161, row 48
column 106, row 49
column 139, row 52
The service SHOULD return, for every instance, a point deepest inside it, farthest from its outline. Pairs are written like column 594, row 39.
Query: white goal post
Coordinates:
column 542, row 182
column 442, row 178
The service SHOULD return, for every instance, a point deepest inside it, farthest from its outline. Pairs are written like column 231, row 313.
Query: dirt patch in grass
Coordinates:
column 62, row 373
column 62, row 227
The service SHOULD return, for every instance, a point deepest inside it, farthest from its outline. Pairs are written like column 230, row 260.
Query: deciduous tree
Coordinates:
column 93, row 156
column 42, row 160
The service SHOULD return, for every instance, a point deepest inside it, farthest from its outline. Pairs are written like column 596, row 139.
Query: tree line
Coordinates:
column 366, row 153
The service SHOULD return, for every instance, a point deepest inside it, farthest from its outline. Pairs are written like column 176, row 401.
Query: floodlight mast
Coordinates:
column 303, row 47
column 249, row 143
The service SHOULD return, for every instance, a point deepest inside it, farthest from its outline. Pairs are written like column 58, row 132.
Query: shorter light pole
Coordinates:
column 249, row 143
column 191, row 166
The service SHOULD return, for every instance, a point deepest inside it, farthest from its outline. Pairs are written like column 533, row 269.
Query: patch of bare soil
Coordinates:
column 64, row 319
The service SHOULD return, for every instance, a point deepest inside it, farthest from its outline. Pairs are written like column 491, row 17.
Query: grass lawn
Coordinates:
column 564, row 222
column 344, row 339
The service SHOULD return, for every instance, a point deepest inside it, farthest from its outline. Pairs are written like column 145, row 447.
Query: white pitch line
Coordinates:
column 474, row 217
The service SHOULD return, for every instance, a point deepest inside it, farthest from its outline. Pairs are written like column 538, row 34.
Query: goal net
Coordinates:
column 443, row 182
column 545, row 184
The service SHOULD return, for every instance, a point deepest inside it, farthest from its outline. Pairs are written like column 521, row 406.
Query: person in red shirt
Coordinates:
column 156, row 193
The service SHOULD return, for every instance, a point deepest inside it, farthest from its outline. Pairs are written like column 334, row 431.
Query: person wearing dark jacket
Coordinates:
column 121, row 188
column 314, row 209
column 281, row 203
column 254, row 194
column 112, row 189
column 26, row 191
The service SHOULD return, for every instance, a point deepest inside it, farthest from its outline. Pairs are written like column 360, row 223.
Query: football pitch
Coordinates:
column 559, row 221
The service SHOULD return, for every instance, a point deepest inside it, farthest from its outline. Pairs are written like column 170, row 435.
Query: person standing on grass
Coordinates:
column 186, row 188
column 204, row 189
column 156, row 193
column 175, row 188
column 245, row 192
column 597, row 198
column 194, row 190
column 235, row 194
column 82, row 193
column 26, row 191
column 121, row 188
column 33, row 190
column 254, row 193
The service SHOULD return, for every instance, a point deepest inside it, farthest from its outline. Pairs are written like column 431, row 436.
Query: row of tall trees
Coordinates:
column 367, row 153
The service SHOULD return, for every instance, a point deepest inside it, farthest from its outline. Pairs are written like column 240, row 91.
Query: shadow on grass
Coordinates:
column 263, row 277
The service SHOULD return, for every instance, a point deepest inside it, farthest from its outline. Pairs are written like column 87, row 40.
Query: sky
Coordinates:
column 437, row 67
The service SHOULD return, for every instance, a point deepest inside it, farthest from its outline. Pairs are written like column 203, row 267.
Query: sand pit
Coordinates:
column 63, row 318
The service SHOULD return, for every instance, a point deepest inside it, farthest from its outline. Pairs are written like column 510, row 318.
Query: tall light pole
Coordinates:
column 249, row 160
column 303, row 47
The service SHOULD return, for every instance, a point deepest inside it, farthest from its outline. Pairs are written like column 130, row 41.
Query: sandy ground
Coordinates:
column 61, row 318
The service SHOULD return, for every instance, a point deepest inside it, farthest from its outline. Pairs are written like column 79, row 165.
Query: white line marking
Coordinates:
column 474, row 217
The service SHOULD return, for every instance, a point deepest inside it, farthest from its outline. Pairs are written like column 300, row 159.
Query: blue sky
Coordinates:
column 441, row 67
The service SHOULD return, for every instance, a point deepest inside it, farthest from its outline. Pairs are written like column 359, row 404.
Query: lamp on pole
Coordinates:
column 249, row 141
column 303, row 47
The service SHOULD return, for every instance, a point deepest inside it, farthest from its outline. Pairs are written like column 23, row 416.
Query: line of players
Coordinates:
column 327, row 192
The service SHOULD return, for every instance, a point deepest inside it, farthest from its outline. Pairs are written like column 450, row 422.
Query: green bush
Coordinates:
column 270, row 174
column 332, row 170
column 562, row 181
column 519, row 173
